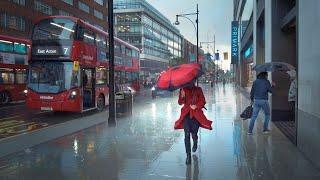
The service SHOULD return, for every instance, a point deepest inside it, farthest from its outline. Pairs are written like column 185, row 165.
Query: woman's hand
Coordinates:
column 193, row 107
column 182, row 93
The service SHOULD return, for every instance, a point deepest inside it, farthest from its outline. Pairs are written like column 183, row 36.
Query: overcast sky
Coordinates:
column 214, row 19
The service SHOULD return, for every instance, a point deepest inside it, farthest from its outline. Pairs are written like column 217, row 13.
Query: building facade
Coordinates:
column 17, row 16
column 284, row 31
column 140, row 24
column 190, row 52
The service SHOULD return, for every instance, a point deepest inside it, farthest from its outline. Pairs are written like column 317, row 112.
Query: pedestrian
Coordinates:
column 191, row 117
column 1, row 79
column 259, row 98
column 292, row 94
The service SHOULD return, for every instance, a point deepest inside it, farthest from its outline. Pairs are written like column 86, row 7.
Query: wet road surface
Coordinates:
column 17, row 119
column 145, row 146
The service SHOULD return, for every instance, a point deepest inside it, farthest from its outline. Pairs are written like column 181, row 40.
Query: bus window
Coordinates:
column 20, row 48
column 55, row 28
column 101, row 50
column 6, row 46
column 101, row 76
column 128, row 52
column 6, row 76
column 75, row 80
column 21, row 76
column 100, row 41
column 117, row 47
column 86, row 35
column 123, row 49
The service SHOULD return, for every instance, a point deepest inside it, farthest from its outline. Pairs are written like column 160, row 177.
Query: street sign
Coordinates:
column 216, row 57
column 225, row 56
column 234, row 42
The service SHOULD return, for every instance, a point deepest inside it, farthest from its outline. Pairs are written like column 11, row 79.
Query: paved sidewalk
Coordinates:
column 145, row 146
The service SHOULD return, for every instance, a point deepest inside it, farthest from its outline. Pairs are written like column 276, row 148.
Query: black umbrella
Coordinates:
column 274, row 66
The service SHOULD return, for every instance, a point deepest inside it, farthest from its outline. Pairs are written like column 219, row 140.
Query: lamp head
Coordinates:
column 177, row 21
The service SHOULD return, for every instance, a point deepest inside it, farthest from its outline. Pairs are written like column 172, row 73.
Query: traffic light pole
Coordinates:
column 112, row 103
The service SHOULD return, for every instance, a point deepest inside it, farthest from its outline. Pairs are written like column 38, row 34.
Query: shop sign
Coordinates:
column 234, row 42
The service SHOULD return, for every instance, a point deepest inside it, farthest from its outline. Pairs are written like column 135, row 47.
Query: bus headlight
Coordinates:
column 25, row 92
column 73, row 94
column 131, row 90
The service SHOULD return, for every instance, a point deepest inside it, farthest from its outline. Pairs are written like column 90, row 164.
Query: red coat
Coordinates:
column 193, row 94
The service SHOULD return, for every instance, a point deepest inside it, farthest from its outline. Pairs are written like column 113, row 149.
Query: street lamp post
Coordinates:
column 112, row 105
column 195, row 27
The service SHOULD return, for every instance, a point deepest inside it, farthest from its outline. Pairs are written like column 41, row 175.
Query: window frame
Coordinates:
column 83, row 6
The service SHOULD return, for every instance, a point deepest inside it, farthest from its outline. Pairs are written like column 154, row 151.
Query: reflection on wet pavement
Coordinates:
column 145, row 146
column 15, row 120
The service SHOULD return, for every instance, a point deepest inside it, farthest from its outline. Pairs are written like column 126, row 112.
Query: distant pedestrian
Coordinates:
column 1, row 79
column 259, row 98
column 292, row 94
column 192, row 117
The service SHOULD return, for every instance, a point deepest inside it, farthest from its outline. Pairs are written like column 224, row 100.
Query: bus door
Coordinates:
column 88, row 88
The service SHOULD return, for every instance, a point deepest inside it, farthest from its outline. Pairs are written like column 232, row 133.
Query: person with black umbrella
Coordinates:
column 259, row 98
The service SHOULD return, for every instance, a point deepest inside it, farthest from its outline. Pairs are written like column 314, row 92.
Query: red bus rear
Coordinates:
column 69, row 65
column 14, row 54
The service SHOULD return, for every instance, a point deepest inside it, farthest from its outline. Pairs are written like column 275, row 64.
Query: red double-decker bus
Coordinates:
column 14, row 54
column 68, row 69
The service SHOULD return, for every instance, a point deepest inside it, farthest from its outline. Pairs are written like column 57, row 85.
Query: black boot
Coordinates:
column 195, row 145
column 188, row 160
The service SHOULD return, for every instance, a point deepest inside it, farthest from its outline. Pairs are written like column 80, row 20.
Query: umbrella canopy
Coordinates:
column 292, row 74
column 273, row 66
column 179, row 76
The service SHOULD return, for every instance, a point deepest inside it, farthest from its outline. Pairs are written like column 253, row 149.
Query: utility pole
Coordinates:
column 112, row 103
column 197, row 21
column 197, row 39
column 214, row 53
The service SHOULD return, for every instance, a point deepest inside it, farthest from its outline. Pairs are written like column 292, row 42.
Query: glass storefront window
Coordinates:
column 147, row 31
column 146, row 20
column 245, row 17
column 156, row 26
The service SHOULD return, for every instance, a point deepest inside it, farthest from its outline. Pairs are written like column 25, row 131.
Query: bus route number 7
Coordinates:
column 66, row 50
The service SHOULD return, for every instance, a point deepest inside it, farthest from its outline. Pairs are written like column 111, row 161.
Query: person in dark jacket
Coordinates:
column 259, row 97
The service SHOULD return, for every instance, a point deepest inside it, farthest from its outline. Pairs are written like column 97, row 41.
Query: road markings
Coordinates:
column 10, row 124
column 11, row 117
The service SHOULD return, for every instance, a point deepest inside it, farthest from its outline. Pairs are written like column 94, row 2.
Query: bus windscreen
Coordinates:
column 52, row 77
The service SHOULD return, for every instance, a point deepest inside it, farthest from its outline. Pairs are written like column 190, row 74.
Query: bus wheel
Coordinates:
column 100, row 103
column 4, row 98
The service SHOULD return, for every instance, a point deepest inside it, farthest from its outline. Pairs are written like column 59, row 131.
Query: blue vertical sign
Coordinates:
column 234, row 42
column 216, row 57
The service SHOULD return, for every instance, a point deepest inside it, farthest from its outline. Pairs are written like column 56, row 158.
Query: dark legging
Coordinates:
column 190, row 126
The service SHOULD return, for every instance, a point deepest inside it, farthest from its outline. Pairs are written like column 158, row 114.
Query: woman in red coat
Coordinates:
column 192, row 117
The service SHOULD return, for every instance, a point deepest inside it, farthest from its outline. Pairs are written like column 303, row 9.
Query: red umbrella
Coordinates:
column 179, row 76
